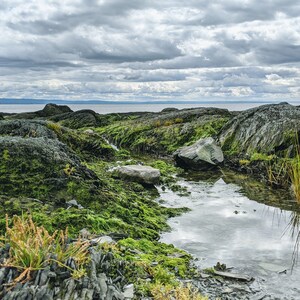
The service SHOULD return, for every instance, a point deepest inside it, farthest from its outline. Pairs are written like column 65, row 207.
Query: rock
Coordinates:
column 169, row 109
column 141, row 174
column 233, row 275
column 128, row 291
column 264, row 129
column 89, row 131
column 102, row 239
column 38, row 165
column 202, row 155
column 74, row 203
column 48, row 111
column 54, row 109
column 26, row 128
column 84, row 234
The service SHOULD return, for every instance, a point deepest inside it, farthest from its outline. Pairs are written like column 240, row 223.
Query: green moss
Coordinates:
column 86, row 146
column 160, row 136
column 231, row 147
column 261, row 156
column 151, row 263
column 244, row 162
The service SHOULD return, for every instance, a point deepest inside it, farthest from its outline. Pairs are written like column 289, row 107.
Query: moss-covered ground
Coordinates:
column 157, row 136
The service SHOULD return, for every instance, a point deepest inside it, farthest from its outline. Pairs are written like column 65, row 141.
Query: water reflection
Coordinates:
column 240, row 222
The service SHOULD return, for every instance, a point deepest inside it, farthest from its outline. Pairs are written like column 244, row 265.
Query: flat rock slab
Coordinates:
column 137, row 173
column 234, row 276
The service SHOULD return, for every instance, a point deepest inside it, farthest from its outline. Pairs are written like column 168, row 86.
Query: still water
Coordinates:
column 121, row 108
column 239, row 222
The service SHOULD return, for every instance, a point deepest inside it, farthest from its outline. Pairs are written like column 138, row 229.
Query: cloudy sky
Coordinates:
column 150, row 49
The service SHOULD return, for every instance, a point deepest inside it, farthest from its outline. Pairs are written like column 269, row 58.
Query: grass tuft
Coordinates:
column 33, row 248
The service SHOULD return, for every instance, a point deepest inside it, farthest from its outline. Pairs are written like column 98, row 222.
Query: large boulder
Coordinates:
column 202, row 155
column 265, row 129
column 141, row 174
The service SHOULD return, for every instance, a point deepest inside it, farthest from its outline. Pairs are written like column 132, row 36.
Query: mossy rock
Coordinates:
column 165, row 132
column 26, row 128
column 37, row 166
column 265, row 129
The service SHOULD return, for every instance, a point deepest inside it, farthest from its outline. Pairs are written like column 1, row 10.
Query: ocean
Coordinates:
column 122, row 108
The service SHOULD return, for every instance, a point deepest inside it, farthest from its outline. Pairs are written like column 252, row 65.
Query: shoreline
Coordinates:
column 71, row 176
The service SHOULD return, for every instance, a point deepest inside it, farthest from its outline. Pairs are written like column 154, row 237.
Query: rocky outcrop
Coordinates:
column 26, row 128
column 37, row 166
column 202, row 155
column 265, row 129
column 56, row 282
column 141, row 174
column 54, row 109
column 48, row 111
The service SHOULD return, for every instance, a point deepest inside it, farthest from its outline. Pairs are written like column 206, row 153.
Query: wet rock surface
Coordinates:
column 202, row 155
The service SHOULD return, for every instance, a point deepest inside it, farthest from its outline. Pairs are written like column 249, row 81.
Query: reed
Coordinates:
column 293, row 169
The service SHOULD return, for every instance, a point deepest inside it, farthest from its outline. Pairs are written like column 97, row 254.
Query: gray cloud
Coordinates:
column 172, row 49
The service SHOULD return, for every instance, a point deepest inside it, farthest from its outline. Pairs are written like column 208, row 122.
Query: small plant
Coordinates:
column 178, row 120
column 5, row 155
column 168, row 292
column 261, row 156
column 32, row 248
column 244, row 162
column 55, row 127
column 69, row 170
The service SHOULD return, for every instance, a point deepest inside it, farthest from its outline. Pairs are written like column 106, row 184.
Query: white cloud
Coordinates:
column 117, row 49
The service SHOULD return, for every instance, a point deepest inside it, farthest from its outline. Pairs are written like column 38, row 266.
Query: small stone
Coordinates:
column 227, row 290
column 128, row 291
column 84, row 233
column 89, row 131
column 103, row 239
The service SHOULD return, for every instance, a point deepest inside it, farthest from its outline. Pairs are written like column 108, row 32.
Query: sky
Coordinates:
column 148, row 50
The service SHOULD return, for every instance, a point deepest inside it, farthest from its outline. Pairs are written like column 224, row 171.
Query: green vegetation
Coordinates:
column 168, row 292
column 151, row 264
column 160, row 136
column 261, row 156
column 86, row 146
